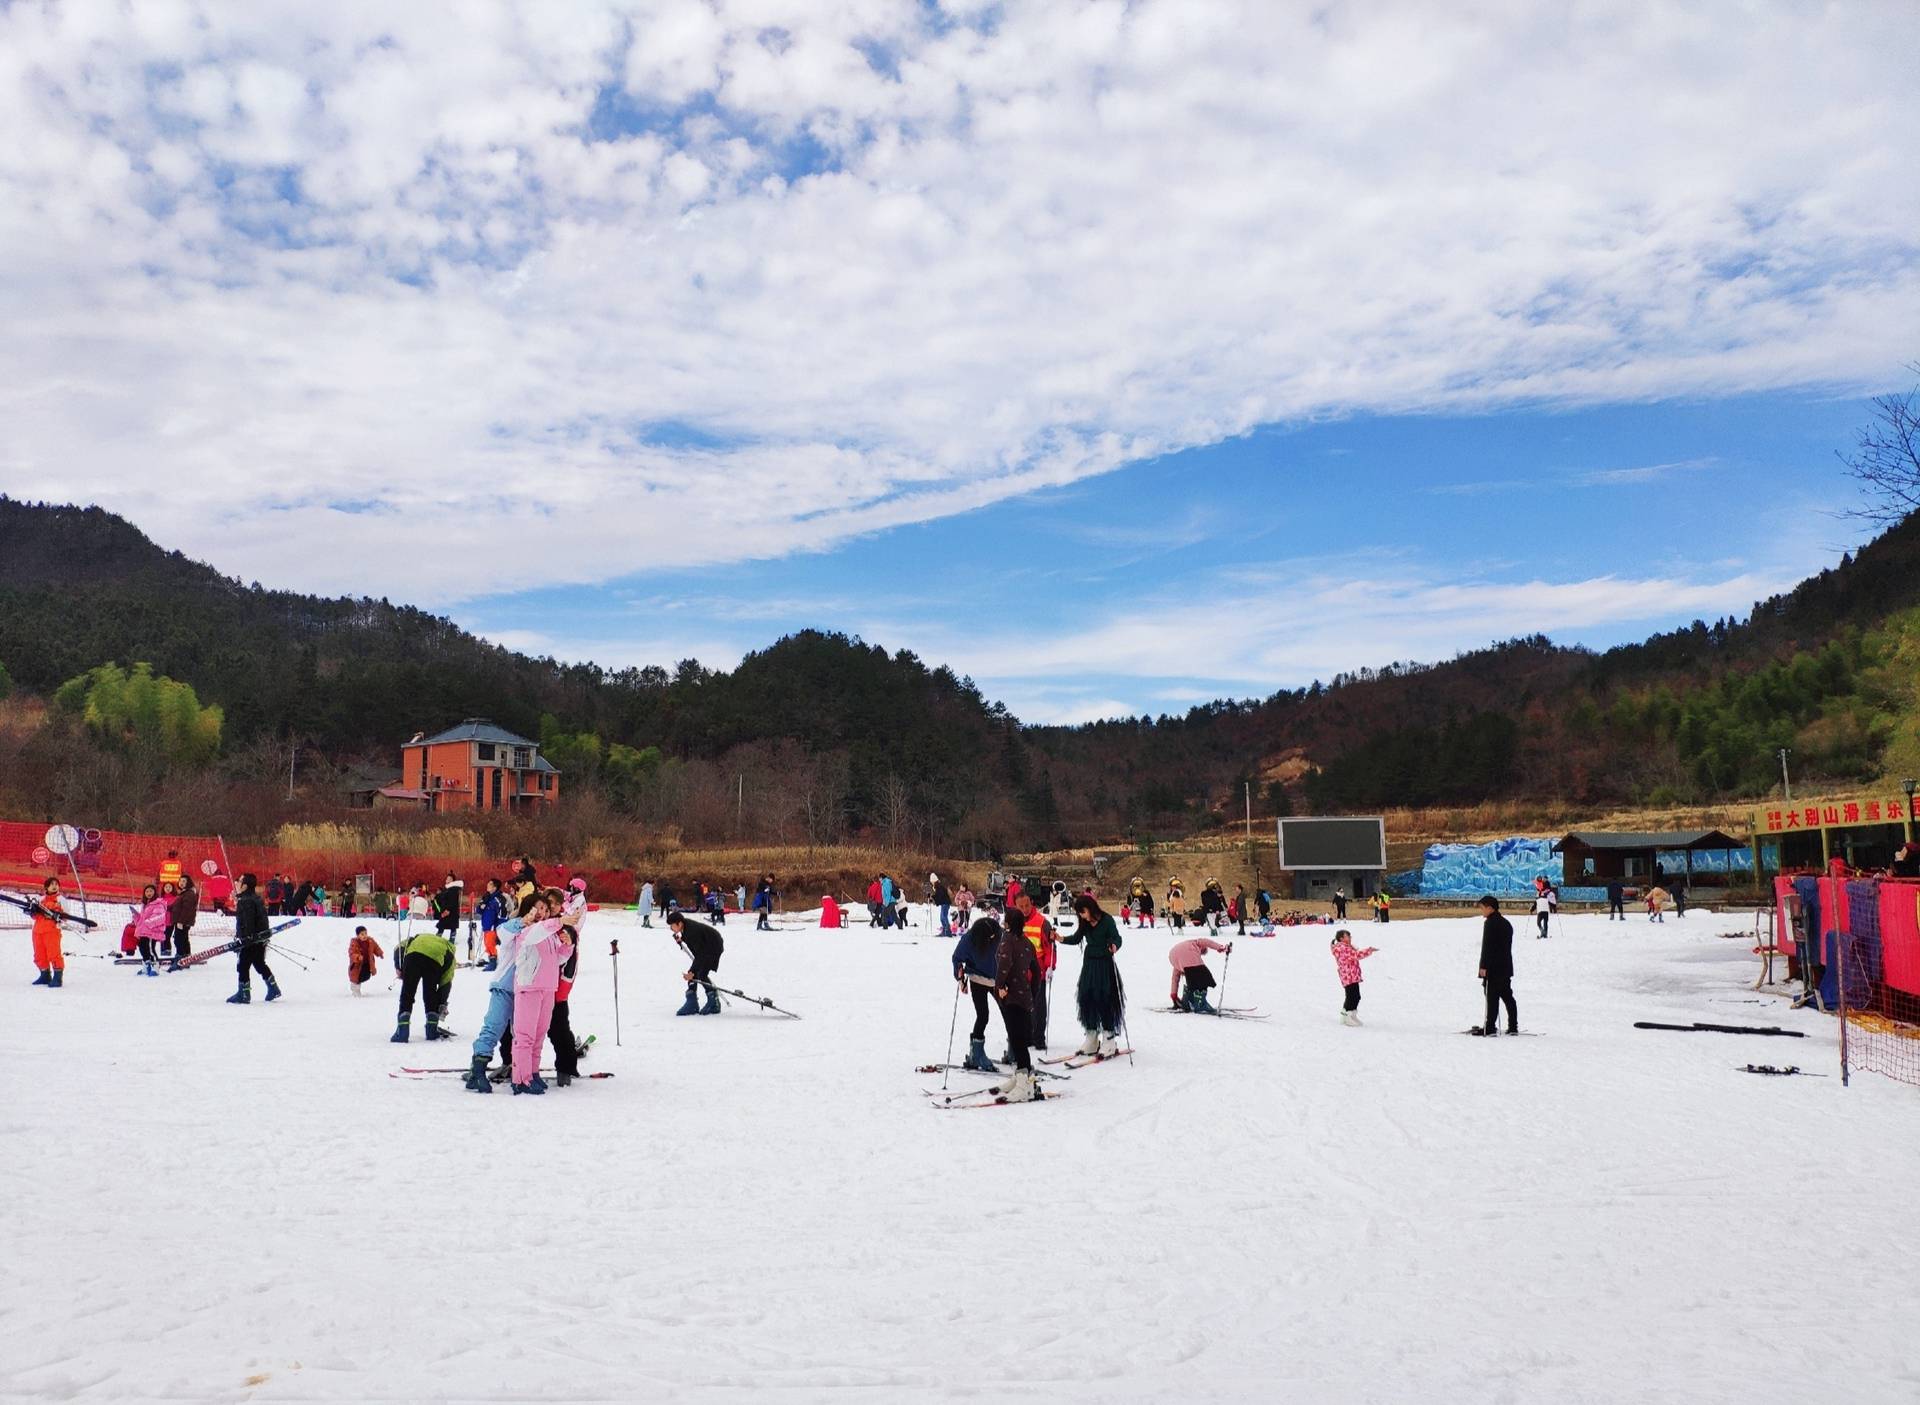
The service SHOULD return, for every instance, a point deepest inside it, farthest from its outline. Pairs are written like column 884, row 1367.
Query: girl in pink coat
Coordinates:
column 1347, row 959
column 544, row 947
column 149, row 926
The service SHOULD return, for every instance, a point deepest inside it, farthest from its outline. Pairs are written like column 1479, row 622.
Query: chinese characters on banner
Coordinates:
column 1829, row 814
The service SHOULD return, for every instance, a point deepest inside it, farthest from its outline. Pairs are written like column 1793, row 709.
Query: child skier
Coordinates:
column 976, row 967
column 1189, row 959
column 1346, row 960
column 47, row 956
column 149, row 925
column 492, row 911
column 703, row 946
column 363, row 956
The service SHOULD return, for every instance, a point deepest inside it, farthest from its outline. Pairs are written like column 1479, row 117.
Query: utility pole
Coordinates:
column 293, row 752
column 1785, row 783
column 740, row 805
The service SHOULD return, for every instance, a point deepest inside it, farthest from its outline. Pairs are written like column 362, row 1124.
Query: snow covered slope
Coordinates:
column 211, row 1203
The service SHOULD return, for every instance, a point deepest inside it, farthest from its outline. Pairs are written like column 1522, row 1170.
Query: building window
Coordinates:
column 522, row 757
column 485, row 751
column 546, row 780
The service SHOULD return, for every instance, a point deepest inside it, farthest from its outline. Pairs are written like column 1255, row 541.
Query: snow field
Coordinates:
column 212, row 1203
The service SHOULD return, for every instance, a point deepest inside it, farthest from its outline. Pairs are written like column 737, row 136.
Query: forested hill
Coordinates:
column 1693, row 712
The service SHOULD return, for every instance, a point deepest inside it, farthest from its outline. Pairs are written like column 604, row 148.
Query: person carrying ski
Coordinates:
column 363, row 959
column 149, row 925
column 491, row 912
column 1017, row 972
column 252, row 931
column 1496, row 967
column 1189, row 960
column 48, row 959
column 427, row 961
column 182, row 913
column 703, row 947
column 544, row 948
column 1346, row 960
column 1102, row 1000
column 976, row 967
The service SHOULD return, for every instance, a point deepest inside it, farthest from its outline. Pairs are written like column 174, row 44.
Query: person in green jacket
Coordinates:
column 427, row 960
column 1102, row 999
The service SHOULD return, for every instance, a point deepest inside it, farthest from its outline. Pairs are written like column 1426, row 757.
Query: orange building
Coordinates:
column 478, row 766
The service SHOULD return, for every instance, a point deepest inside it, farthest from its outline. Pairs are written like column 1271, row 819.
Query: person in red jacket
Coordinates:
column 874, row 897
column 47, row 956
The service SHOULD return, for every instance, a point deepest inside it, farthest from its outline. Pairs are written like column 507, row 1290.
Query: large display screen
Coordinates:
column 1333, row 843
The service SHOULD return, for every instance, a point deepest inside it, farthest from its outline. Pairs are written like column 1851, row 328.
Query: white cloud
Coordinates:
column 259, row 260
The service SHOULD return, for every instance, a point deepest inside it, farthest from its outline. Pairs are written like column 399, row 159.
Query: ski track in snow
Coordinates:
column 209, row 1203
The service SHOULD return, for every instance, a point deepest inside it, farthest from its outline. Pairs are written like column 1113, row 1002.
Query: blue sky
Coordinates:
column 1722, row 501
column 1122, row 355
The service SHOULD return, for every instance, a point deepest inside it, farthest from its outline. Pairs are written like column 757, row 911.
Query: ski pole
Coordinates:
column 292, row 956
column 946, row 1069
column 615, row 953
column 1121, row 986
column 1226, row 965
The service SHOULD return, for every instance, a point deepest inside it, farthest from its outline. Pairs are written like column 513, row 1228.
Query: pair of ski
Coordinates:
column 1230, row 1012
column 1086, row 1060
column 435, row 1072
column 36, row 909
column 999, row 1071
column 1699, row 1027
column 228, row 948
column 749, row 999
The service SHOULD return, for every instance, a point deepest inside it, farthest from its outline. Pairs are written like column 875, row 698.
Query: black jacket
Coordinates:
column 703, row 944
column 1496, row 947
column 250, row 919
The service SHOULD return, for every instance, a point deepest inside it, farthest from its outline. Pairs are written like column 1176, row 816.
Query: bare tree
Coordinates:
column 823, row 798
column 896, row 810
column 1886, row 458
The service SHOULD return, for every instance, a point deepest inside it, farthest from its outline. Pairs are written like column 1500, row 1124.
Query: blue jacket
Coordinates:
column 492, row 908
column 976, row 958
column 886, row 890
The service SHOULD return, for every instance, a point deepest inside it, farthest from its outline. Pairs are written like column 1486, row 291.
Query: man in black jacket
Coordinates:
column 703, row 947
column 1496, row 967
column 252, row 930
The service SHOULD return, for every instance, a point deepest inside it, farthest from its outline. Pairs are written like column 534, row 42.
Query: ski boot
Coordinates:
column 44, row 978
column 273, row 989
column 1197, row 1003
column 1483, row 1032
column 1109, row 1046
column 502, row 1074
column 401, row 1031
column 712, row 1007
column 476, row 1079
column 534, row 1087
column 174, row 965
column 1348, row 1017
column 563, row 1078
column 692, row 1005
column 1021, row 1089
column 977, row 1059
column 433, row 1027
column 1091, row 1044
column 59, row 979
column 242, row 996
column 148, row 970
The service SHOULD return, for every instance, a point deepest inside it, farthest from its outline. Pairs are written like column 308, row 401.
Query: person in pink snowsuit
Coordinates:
column 1346, row 960
column 150, row 925
column 544, row 946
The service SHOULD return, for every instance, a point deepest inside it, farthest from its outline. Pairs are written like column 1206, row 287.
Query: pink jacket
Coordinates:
column 1192, row 952
column 151, row 920
column 1348, row 958
column 541, row 954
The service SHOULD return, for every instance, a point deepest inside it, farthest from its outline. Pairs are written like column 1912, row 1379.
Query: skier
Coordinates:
column 1102, row 1002
column 1031, row 923
column 446, row 908
column 181, row 915
column 873, row 903
column 1496, row 967
column 48, row 959
column 492, row 911
column 704, row 946
column 149, row 925
column 544, row 947
column 1189, row 959
column 963, row 901
column 1346, row 960
column 1176, row 904
column 1544, row 902
column 363, row 959
column 496, row 1029
column 252, row 930
column 976, row 967
column 763, row 904
column 645, row 904
column 1018, row 973
column 427, row 961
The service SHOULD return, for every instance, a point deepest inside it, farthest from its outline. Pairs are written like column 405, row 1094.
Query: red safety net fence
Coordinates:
column 112, row 866
column 1875, row 952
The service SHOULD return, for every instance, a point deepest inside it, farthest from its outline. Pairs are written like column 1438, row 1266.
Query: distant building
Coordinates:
column 477, row 766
